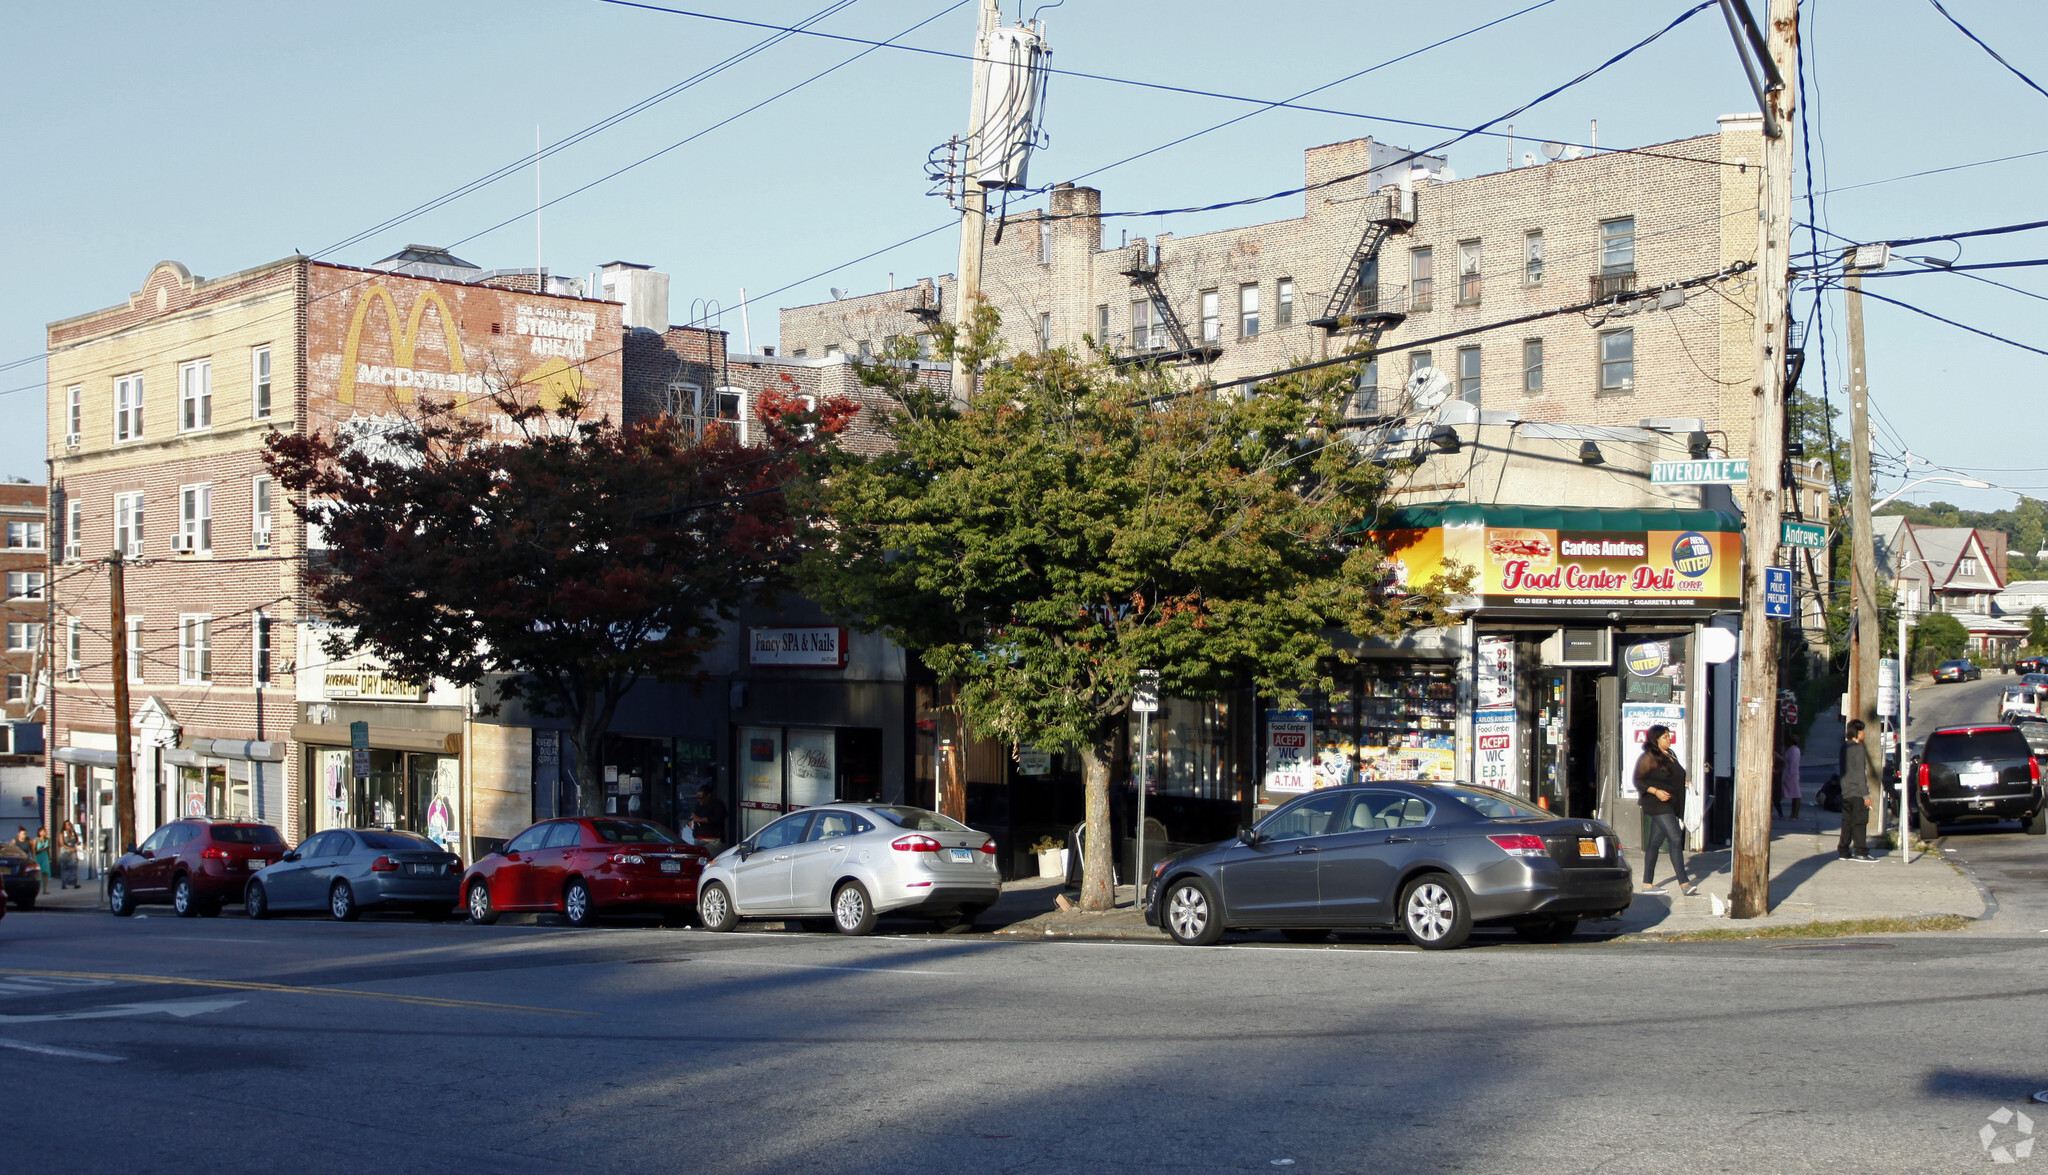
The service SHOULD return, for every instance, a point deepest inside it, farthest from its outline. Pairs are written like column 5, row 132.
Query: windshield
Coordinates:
column 246, row 834
column 401, row 841
column 1991, row 742
column 1495, row 805
column 919, row 820
column 632, row 832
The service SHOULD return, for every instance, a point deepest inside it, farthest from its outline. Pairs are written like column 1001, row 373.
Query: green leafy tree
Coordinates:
column 2037, row 630
column 1937, row 637
column 1078, row 522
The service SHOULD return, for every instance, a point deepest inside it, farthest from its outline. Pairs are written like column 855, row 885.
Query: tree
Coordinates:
column 1937, row 636
column 2037, row 629
column 1077, row 523
column 573, row 561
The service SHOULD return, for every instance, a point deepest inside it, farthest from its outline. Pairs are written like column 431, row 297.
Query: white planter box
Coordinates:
column 1053, row 864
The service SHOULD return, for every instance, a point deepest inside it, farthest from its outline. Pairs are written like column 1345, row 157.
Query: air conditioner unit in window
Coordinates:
column 261, row 538
column 71, row 442
column 181, row 544
column 73, row 551
column 1578, row 647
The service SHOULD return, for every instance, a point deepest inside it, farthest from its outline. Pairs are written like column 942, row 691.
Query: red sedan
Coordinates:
column 584, row 867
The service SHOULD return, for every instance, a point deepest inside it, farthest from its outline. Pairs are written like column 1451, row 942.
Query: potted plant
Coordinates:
column 1052, row 856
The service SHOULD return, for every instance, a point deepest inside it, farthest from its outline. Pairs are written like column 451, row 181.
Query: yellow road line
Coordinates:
column 425, row 1001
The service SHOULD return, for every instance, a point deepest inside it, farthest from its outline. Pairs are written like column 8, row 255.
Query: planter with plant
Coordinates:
column 1052, row 856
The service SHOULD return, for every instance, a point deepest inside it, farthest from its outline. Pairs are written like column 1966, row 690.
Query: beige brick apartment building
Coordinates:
column 158, row 412
column 25, row 562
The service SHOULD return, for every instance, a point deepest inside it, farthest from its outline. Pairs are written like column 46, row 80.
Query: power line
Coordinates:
column 1975, row 232
column 1958, row 325
column 1934, row 171
column 1988, row 49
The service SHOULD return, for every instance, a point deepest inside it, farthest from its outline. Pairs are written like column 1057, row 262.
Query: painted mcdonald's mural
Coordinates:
column 1560, row 557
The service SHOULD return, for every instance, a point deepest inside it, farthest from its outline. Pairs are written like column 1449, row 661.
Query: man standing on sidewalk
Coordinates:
column 1855, row 796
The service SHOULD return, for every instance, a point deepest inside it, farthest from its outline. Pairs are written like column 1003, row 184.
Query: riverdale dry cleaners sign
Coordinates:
column 820, row 647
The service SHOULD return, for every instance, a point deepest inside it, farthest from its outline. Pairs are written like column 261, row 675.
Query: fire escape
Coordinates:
column 1360, row 300
column 1166, row 341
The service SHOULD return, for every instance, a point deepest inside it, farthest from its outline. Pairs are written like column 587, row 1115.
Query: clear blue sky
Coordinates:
column 227, row 134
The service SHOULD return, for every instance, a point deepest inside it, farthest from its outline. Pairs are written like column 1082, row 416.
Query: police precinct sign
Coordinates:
column 820, row 647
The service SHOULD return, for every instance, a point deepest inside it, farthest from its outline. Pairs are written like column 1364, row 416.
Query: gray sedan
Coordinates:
column 1431, row 859
column 346, row 871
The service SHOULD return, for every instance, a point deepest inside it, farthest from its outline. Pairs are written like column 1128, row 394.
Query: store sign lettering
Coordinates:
column 1519, row 576
column 821, row 647
column 371, row 684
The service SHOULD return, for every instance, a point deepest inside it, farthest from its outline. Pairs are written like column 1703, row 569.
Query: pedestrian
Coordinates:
column 1855, row 796
column 21, row 838
column 42, row 851
column 707, row 820
column 67, row 854
column 1788, row 778
column 1660, row 788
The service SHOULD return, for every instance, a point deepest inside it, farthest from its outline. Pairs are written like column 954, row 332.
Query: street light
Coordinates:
column 1968, row 483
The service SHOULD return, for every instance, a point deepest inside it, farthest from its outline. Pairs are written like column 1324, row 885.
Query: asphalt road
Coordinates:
column 2012, row 865
column 225, row 1046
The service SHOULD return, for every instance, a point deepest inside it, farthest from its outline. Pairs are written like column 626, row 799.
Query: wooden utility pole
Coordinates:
column 1757, row 703
column 1869, row 640
column 973, row 197
column 124, row 755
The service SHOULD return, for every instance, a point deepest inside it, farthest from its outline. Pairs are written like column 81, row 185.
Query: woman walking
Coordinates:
column 1660, row 788
column 67, row 854
column 41, row 848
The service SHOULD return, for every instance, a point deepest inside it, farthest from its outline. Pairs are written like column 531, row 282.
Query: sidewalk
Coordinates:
column 85, row 897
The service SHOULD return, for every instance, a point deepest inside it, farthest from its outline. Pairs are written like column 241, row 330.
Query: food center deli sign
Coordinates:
column 1563, row 568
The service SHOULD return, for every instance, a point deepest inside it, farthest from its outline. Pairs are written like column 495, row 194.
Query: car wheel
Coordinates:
column 2038, row 826
column 255, row 902
column 1434, row 912
column 478, row 904
column 341, row 903
column 1305, row 934
column 1930, row 831
column 1190, row 913
column 120, row 902
column 1552, row 930
column 714, row 908
column 183, row 898
column 577, row 905
column 852, row 911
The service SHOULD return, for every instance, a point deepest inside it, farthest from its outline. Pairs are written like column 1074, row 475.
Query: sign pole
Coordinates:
column 1145, row 699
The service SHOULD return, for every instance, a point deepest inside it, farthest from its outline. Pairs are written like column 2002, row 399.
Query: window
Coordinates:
column 24, row 638
column 17, row 687
column 195, row 649
column 1468, row 374
column 1365, row 393
column 74, row 415
column 1045, row 331
column 128, row 407
column 1532, row 258
column 195, row 395
column 128, row 525
column 195, row 520
column 74, row 528
column 74, row 638
column 1211, row 322
column 1304, row 818
column 135, row 649
column 24, row 536
column 1248, row 311
column 866, row 348
column 1283, row 302
column 259, row 377
column 1141, row 325
column 1618, row 361
column 1967, row 565
column 1044, row 244
column 1532, row 365
column 259, row 509
column 831, row 349
column 261, row 669
column 24, row 585
column 1102, row 326
column 1417, row 360
column 1421, row 278
column 801, row 353
column 1618, row 245
column 1468, row 273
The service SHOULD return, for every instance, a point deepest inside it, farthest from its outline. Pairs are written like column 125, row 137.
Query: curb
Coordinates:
column 1962, row 866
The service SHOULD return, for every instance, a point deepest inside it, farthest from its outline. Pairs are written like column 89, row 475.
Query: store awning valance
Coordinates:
column 1585, row 518
column 383, row 738
column 85, row 756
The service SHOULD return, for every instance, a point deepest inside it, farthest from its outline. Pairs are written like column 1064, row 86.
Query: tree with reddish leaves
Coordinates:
column 567, row 562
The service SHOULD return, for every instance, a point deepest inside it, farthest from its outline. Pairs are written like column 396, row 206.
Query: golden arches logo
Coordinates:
column 401, row 377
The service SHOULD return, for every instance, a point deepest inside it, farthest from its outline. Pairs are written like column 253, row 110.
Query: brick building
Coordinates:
column 25, row 561
column 158, row 412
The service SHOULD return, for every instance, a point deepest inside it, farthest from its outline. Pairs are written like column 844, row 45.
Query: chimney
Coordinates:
column 643, row 291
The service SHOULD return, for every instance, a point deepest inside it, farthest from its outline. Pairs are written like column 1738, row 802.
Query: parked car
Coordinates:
column 842, row 866
column 20, row 877
column 195, row 864
column 585, row 867
column 1433, row 859
column 2034, row 728
column 347, row 871
column 2037, row 680
column 1978, row 773
column 1957, row 671
column 2028, row 665
column 2019, row 700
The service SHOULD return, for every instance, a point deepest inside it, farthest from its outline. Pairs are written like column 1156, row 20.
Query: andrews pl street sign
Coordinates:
column 1699, row 473
column 1803, row 534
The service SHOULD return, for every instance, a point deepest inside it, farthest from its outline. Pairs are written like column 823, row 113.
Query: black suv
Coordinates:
column 1975, row 773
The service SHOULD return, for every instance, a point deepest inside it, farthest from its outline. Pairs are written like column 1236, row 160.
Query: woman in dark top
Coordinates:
column 1660, row 787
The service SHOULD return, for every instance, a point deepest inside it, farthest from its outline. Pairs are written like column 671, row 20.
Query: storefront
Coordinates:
column 786, row 768
column 414, row 781
column 231, row 779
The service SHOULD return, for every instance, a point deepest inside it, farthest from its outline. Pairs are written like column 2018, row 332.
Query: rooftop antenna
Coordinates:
column 1553, row 151
column 1511, row 145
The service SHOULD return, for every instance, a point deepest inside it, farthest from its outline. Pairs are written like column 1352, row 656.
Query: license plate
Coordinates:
column 671, row 866
column 417, row 868
column 1590, row 847
column 1978, row 778
column 963, row 856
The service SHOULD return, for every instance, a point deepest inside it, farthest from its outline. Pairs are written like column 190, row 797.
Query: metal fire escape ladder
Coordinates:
column 1143, row 271
column 1374, row 306
column 1362, row 258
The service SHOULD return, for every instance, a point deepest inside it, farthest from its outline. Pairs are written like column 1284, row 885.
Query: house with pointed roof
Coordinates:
column 1953, row 569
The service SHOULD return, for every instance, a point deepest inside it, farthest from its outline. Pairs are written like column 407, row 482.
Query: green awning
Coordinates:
column 1578, row 518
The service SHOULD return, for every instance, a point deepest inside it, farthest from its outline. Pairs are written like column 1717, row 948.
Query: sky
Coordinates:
column 224, row 135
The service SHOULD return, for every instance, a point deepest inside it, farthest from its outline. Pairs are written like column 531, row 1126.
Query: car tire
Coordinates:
column 1305, row 934
column 1929, row 829
column 1190, row 913
column 967, row 916
column 341, row 903
column 853, row 912
column 714, row 908
column 2038, row 826
column 184, row 899
column 255, row 901
column 1434, row 912
column 477, row 903
column 577, row 903
column 120, row 902
column 1549, row 930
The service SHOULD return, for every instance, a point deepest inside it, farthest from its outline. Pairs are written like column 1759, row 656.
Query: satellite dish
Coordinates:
column 1574, row 152
column 1427, row 388
column 1553, row 150
column 836, row 295
column 1528, row 159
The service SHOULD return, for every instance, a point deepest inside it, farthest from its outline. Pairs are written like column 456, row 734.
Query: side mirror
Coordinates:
column 744, row 850
column 1250, row 836
column 511, row 854
column 145, row 854
column 290, row 856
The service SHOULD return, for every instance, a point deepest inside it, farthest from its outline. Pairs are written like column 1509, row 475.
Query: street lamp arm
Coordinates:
column 1969, row 483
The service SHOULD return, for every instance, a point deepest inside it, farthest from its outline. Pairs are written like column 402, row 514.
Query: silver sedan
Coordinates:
column 842, row 866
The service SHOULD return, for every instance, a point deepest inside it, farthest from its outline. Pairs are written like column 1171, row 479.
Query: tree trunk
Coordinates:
column 588, row 738
column 1098, row 890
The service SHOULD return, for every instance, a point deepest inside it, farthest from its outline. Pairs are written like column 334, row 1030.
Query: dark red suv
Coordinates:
column 194, row 864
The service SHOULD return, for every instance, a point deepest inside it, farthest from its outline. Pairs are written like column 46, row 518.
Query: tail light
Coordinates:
column 628, row 859
column 210, row 853
column 915, row 844
column 455, row 865
column 383, row 865
column 1925, row 775
column 1521, row 845
column 989, row 846
column 2034, row 768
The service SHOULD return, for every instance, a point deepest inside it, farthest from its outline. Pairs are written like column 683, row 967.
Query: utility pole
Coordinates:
column 973, row 197
column 124, row 755
column 1869, row 639
column 1757, row 706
